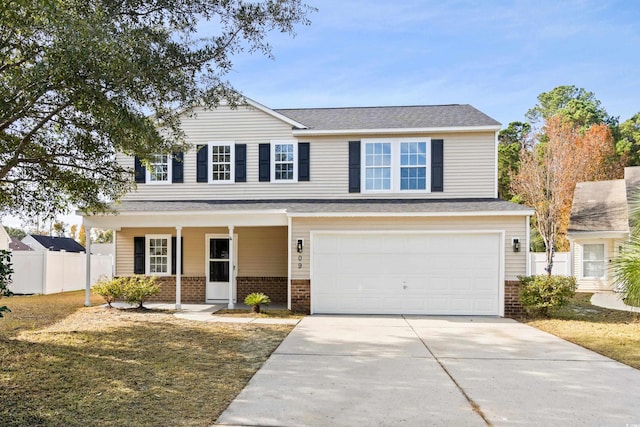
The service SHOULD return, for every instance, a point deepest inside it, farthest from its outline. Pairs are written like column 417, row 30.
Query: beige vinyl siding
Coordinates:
column 469, row 162
column 515, row 262
column 586, row 284
column 262, row 251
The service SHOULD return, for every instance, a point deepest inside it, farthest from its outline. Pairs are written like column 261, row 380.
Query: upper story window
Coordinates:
column 285, row 159
column 395, row 165
column 158, row 259
column 221, row 162
column 159, row 170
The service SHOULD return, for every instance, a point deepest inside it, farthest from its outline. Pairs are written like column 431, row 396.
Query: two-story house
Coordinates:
column 373, row 210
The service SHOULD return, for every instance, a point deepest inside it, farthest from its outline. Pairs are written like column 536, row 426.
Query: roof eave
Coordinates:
column 597, row 234
column 275, row 114
column 452, row 129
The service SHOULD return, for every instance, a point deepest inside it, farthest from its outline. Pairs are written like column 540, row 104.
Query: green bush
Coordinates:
column 540, row 293
column 255, row 300
column 6, row 270
column 110, row 289
column 138, row 289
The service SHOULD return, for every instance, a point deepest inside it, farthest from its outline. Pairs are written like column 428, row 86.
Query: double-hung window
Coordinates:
column 284, row 163
column 395, row 165
column 159, row 170
column 158, row 259
column 221, row 162
column 593, row 261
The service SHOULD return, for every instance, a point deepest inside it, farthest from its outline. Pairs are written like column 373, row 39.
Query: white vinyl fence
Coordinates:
column 561, row 263
column 50, row 272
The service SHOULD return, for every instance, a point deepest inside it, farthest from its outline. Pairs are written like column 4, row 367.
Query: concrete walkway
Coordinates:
column 395, row 370
column 612, row 300
column 206, row 313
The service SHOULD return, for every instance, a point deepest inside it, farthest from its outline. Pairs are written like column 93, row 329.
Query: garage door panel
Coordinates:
column 406, row 273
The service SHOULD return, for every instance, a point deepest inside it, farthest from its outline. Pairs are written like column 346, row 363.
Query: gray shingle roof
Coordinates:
column 418, row 116
column 599, row 206
column 326, row 206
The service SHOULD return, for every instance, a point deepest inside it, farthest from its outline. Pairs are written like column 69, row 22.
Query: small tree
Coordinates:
column 549, row 171
column 138, row 289
column 110, row 289
column 255, row 300
column 6, row 270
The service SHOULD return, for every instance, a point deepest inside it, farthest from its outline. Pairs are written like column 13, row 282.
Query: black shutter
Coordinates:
column 141, row 173
column 174, row 242
column 241, row 163
column 264, row 162
column 354, row 166
column 437, row 165
column 177, row 166
column 303, row 161
column 138, row 255
column 202, row 164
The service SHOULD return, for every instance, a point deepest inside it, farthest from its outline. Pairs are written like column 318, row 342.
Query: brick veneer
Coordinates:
column 274, row 287
column 512, row 305
column 301, row 296
column 192, row 290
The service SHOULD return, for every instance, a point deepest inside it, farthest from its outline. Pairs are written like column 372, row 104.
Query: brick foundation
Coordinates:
column 512, row 306
column 301, row 296
column 274, row 287
column 192, row 290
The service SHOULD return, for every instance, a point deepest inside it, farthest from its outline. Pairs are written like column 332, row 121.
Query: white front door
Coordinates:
column 220, row 270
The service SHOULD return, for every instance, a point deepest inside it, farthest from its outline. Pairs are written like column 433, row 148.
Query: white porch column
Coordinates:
column 178, row 267
column 87, row 248
column 232, row 267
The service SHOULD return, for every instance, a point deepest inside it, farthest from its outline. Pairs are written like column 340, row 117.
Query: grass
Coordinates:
column 264, row 313
column 63, row 364
column 612, row 333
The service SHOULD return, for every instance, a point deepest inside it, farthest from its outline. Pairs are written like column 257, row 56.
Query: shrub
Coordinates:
column 540, row 293
column 138, row 289
column 255, row 300
column 110, row 289
column 6, row 270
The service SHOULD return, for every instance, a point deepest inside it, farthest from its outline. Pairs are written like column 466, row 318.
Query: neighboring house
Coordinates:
column 42, row 243
column 17, row 245
column 330, row 210
column 598, row 227
column 4, row 239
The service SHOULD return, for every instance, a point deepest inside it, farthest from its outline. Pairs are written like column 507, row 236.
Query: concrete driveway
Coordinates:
column 395, row 370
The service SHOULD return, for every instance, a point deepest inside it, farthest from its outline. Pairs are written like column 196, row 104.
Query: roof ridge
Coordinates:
column 372, row 107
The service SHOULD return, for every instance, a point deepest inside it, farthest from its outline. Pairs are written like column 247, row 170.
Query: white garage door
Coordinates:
column 417, row 273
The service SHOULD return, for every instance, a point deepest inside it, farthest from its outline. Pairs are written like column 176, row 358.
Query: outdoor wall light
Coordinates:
column 516, row 244
column 300, row 245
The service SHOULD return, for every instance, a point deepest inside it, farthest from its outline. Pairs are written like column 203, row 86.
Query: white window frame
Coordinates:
column 395, row 165
column 149, row 176
column 604, row 260
column 293, row 142
column 232, row 175
column 147, row 255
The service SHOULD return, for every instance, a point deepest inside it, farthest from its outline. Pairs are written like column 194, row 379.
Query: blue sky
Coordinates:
column 495, row 55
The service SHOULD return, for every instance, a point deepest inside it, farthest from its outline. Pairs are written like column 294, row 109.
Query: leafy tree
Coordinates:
column 82, row 236
column 102, row 236
column 628, row 143
column 550, row 169
column 511, row 141
column 577, row 105
column 59, row 228
column 17, row 233
column 83, row 79
column 6, row 270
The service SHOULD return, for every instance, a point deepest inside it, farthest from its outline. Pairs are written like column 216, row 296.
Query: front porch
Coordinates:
column 223, row 255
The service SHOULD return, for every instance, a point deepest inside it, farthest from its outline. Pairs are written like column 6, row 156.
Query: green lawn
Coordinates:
column 612, row 333
column 66, row 365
